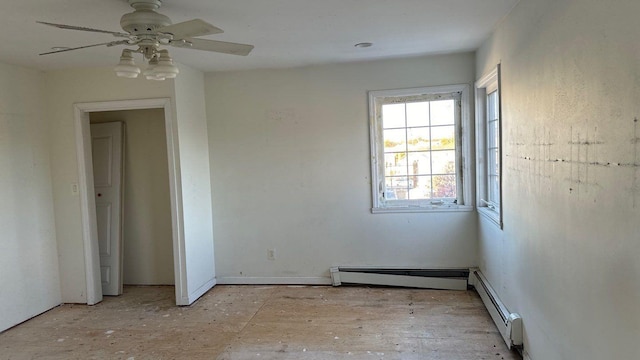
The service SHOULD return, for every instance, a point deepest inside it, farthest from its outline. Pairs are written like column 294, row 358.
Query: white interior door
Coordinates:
column 107, row 153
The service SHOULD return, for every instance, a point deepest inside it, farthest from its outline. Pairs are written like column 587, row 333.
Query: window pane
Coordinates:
column 421, row 188
column 418, row 114
column 443, row 162
column 443, row 137
column 442, row 112
column 494, row 189
column 395, row 164
column 418, row 139
column 492, row 134
column 420, row 163
column 390, row 194
column 444, row 186
column 398, row 186
column 403, row 182
column 393, row 116
column 493, row 165
column 395, row 140
column 492, row 105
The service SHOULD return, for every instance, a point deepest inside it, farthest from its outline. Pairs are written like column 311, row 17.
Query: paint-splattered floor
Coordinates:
column 265, row 322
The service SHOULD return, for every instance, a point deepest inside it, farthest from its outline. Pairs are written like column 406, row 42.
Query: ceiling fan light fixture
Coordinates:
column 127, row 68
column 149, row 30
column 149, row 73
column 155, row 77
column 165, row 68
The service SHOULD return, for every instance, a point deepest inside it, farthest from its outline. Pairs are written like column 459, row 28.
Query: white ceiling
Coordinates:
column 286, row 33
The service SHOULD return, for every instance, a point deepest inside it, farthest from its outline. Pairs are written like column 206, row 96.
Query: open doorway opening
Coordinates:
column 146, row 242
column 82, row 113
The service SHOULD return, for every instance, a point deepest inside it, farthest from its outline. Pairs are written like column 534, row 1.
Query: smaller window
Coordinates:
column 417, row 148
column 489, row 146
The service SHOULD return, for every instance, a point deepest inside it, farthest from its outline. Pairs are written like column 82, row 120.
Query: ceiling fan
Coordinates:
column 150, row 31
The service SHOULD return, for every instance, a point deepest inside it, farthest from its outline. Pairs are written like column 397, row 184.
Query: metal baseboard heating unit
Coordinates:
column 509, row 324
column 446, row 279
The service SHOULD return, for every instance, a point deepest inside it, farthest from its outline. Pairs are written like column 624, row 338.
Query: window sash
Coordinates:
column 493, row 149
column 489, row 151
column 383, row 198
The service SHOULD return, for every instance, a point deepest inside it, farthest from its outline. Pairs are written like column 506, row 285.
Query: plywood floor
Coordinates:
column 265, row 322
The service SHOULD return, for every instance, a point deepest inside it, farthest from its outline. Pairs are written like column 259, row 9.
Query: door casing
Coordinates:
column 87, row 199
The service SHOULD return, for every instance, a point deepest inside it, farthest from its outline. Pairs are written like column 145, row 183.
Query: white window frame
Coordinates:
column 464, row 201
column 485, row 86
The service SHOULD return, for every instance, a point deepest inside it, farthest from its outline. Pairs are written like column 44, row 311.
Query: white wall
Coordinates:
column 197, row 253
column 567, row 259
column 290, row 170
column 63, row 89
column 147, row 240
column 193, row 194
column 29, row 282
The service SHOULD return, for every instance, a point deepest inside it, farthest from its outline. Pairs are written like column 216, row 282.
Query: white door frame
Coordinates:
column 87, row 199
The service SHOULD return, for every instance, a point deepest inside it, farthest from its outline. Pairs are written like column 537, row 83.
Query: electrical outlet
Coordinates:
column 271, row 254
column 74, row 189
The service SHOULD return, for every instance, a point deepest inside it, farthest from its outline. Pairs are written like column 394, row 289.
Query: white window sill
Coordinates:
column 491, row 215
column 421, row 209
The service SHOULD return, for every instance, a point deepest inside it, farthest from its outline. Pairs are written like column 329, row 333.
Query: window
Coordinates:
column 489, row 151
column 417, row 147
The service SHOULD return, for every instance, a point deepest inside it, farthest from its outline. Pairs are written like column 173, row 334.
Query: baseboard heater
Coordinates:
column 445, row 279
column 509, row 324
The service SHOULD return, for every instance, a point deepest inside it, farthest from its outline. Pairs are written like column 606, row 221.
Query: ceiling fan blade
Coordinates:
column 112, row 43
column 215, row 46
column 71, row 27
column 191, row 28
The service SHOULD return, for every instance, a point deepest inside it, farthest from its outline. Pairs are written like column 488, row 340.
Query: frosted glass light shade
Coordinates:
column 150, row 73
column 165, row 67
column 126, row 67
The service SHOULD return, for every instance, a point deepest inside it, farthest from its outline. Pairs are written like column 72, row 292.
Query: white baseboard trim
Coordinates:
column 247, row 280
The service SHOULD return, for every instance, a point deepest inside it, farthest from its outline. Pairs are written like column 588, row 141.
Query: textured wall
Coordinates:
column 29, row 282
column 290, row 168
column 195, row 183
column 567, row 259
column 63, row 89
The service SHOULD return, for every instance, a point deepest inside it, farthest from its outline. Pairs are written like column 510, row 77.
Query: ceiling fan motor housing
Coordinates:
column 144, row 20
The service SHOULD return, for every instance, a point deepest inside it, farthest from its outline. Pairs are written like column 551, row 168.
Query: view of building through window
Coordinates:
column 419, row 150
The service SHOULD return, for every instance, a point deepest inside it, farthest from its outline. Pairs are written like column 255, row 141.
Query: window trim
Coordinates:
column 484, row 86
column 463, row 152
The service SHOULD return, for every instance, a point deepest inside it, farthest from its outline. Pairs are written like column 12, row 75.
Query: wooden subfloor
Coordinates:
column 265, row 322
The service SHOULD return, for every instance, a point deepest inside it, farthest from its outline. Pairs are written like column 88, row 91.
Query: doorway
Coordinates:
column 146, row 236
column 87, row 191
